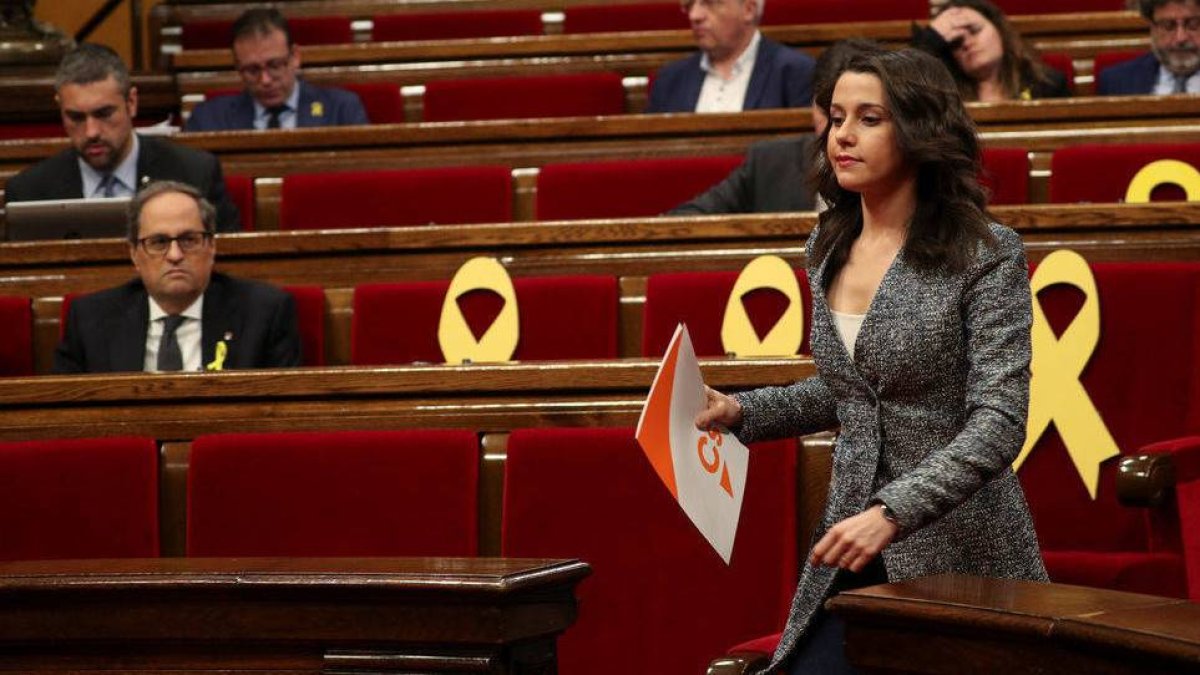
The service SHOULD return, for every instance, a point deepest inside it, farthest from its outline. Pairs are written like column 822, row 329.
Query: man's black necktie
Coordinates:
column 1181, row 84
column 169, row 356
column 108, row 185
column 273, row 114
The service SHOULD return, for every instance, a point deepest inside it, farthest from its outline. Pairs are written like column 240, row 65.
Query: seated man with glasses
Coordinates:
column 736, row 68
column 1172, row 66
column 178, row 314
column 275, row 97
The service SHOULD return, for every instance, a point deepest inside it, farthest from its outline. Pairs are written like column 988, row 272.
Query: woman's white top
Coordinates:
column 848, row 326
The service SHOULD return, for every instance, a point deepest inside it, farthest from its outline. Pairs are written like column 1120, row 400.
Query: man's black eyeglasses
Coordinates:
column 160, row 244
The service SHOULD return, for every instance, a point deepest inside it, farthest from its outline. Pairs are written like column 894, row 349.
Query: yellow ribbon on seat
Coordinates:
column 499, row 342
column 737, row 333
column 1055, row 392
column 1159, row 172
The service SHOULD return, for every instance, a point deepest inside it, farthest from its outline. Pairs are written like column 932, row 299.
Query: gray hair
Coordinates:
column 208, row 213
column 90, row 63
column 1147, row 7
column 758, row 11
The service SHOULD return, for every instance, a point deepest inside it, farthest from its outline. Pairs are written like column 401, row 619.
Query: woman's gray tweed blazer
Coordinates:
column 932, row 413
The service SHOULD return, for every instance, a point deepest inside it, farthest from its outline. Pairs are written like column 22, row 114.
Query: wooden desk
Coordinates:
column 956, row 624
column 287, row 615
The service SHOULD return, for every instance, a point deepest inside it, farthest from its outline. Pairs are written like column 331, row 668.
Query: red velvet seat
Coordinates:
column 627, row 188
column 1105, row 60
column 791, row 12
column 16, row 351
column 353, row 493
column 1006, row 175
column 572, row 95
column 79, row 498
column 1144, row 379
column 1011, row 7
column 392, row 198
column 305, row 30
column 310, row 315
column 1074, row 176
column 698, row 299
column 456, row 25
column 560, row 318
column 241, row 193
column 617, row 18
column 1064, row 64
column 659, row 595
column 13, row 131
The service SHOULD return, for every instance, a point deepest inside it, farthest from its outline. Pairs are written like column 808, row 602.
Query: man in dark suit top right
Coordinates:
column 1173, row 64
column 275, row 96
column 736, row 68
column 178, row 314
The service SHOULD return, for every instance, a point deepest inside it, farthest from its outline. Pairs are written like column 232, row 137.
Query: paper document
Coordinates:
column 705, row 471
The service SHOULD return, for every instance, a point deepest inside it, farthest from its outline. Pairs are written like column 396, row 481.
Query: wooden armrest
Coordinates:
column 1146, row 480
column 738, row 663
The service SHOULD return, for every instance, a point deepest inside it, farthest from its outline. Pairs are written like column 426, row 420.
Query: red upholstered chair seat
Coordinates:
column 79, row 498
column 392, row 198
column 381, row 100
column 792, row 12
column 355, row 493
column 698, row 299
column 658, row 594
column 1105, row 60
column 572, row 95
column 626, row 188
column 620, row 18
column 456, row 25
column 1144, row 379
column 1074, row 176
column 1006, row 175
column 310, row 315
column 12, row 131
column 241, row 193
column 559, row 318
column 305, row 30
column 16, row 351
column 1064, row 64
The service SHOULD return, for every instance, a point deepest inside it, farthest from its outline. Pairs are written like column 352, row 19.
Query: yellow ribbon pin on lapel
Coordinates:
column 1055, row 392
column 317, row 109
column 499, row 342
column 218, row 362
column 784, row 339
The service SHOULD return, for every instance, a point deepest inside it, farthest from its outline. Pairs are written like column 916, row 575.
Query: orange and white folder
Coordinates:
column 705, row 471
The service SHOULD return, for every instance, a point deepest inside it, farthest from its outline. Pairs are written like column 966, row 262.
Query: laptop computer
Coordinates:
column 67, row 219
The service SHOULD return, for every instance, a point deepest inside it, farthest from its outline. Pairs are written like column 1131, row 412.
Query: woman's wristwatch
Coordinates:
column 888, row 513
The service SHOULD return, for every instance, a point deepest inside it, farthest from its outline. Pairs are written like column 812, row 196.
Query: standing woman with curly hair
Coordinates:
column 986, row 56
column 920, row 334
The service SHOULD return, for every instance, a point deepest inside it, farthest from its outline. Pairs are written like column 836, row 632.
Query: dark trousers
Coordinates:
column 823, row 649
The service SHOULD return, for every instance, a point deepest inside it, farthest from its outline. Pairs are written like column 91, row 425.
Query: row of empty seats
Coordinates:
column 600, row 18
column 568, row 493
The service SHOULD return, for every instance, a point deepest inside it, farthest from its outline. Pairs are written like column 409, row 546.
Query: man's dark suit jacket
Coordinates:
column 318, row 107
column 58, row 177
column 771, row 179
column 782, row 78
column 1129, row 78
column 106, row 331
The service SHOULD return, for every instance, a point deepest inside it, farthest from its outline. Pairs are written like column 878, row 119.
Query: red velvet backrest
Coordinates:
column 698, row 299
column 571, row 317
column 792, row 12
column 310, row 315
column 381, row 100
column 620, row 18
column 79, row 498
column 350, row 493
column 1105, row 60
column 241, row 193
column 305, row 30
column 16, row 352
column 627, row 188
column 1064, row 64
column 456, row 25
column 1006, row 175
column 1059, row 6
column 658, row 594
column 390, row 198
column 1074, row 176
column 571, row 95
column 12, row 131
column 1143, row 377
